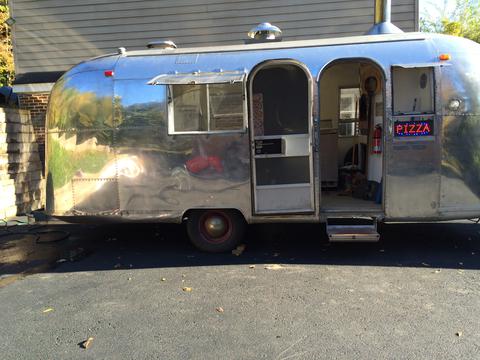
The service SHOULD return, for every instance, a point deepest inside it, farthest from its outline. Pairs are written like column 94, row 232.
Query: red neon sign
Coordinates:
column 413, row 128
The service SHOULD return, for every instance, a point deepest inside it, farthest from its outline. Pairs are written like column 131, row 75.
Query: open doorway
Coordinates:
column 281, row 122
column 351, row 136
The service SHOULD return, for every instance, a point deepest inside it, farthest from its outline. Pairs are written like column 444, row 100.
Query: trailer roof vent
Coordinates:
column 264, row 32
column 162, row 44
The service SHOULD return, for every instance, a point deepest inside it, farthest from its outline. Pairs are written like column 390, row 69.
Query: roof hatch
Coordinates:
column 161, row 44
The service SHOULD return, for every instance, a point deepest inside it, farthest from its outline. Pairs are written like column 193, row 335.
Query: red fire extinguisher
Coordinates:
column 377, row 140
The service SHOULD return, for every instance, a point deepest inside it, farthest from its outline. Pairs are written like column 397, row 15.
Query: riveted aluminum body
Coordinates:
column 109, row 154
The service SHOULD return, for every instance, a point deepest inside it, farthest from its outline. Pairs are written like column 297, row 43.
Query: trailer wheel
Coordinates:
column 215, row 230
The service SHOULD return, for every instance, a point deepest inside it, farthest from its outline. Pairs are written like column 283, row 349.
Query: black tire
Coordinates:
column 200, row 238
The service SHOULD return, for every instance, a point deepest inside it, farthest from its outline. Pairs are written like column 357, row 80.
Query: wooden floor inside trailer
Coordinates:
column 334, row 200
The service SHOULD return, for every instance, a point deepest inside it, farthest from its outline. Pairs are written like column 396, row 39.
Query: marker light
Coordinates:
column 454, row 104
column 108, row 73
column 444, row 57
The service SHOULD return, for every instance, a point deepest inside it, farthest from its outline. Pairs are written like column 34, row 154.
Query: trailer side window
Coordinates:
column 206, row 108
column 226, row 106
column 189, row 108
column 413, row 90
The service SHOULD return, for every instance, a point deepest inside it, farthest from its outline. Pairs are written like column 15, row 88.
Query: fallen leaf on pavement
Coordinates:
column 219, row 309
column 163, row 279
column 87, row 343
column 459, row 333
column 239, row 250
column 47, row 310
column 251, row 267
column 274, row 267
column 187, row 289
column 437, row 271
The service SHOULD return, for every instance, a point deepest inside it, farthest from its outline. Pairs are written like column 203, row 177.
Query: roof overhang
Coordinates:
column 33, row 88
column 33, row 82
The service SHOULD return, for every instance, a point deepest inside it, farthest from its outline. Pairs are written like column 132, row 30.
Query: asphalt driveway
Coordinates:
column 142, row 292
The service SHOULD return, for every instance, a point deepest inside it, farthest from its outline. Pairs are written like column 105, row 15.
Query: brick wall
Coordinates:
column 37, row 103
column 21, row 181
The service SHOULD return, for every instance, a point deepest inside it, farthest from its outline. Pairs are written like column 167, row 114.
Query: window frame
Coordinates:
column 354, row 120
column 202, row 79
column 431, row 67
column 171, row 109
column 357, row 106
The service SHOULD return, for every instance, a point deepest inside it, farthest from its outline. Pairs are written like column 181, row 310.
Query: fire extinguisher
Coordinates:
column 377, row 140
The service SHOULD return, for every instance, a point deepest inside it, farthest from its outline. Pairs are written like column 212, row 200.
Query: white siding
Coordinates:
column 52, row 35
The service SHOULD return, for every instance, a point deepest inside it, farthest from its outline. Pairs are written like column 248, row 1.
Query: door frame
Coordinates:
column 387, row 120
column 310, row 126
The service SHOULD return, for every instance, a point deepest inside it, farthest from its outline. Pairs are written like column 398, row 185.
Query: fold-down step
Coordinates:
column 352, row 233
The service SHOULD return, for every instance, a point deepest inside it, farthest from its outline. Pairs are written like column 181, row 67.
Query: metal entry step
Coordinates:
column 357, row 232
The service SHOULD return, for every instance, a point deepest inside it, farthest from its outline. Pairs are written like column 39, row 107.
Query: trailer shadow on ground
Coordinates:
column 121, row 246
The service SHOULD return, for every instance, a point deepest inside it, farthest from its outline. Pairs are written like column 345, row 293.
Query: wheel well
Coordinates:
column 189, row 211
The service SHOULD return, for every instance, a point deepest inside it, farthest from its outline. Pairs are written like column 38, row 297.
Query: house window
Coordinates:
column 348, row 112
column 349, row 98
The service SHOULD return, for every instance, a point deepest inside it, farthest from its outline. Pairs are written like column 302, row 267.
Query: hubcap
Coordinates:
column 216, row 226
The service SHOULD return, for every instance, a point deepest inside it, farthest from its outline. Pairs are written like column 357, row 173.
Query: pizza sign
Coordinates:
column 413, row 128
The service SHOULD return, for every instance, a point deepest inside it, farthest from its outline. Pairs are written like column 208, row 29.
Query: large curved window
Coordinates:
column 205, row 108
column 205, row 102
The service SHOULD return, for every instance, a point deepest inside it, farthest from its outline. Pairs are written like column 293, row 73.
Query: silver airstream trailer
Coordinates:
column 384, row 127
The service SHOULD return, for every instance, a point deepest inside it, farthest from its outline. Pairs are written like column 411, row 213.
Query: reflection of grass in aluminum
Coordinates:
column 63, row 163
